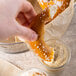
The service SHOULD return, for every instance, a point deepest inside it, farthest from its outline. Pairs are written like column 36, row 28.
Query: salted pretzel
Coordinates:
column 55, row 6
column 54, row 9
column 39, row 46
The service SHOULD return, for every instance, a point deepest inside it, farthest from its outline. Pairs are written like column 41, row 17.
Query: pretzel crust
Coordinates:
column 39, row 46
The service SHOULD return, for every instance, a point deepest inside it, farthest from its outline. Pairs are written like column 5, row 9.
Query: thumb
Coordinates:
column 26, row 33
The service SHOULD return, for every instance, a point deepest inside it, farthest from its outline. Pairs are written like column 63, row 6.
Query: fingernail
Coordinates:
column 23, row 40
column 34, row 37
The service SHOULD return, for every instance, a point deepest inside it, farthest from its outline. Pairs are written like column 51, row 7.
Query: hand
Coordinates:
column 9, row 26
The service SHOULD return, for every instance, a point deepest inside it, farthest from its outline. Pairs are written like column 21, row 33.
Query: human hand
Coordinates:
column 9, row 10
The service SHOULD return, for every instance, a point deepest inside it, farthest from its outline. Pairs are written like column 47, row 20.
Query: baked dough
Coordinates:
column 39, row 46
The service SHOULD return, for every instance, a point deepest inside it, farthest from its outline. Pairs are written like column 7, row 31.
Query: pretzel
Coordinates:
column 55, row 7
column 39, row 46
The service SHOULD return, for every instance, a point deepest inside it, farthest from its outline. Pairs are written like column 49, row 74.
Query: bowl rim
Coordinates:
column 69, row 58
column 13, row 43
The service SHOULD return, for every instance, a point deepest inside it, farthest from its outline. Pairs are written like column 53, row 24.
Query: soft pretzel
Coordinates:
column 39, row 46
column 54, row 9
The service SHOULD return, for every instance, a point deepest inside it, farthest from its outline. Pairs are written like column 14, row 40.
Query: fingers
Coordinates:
column 21, row 19
column 27, row 15
column 25, row 33
column 29, row 11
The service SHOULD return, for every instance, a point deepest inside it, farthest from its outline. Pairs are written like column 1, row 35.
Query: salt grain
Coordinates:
column 43, row 49
column 37, row 46
column 45, row 56
column 40, row 44
column 43, row 46
column 66, row 3
column 48, row 58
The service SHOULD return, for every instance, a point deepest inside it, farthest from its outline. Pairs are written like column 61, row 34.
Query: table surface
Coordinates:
column 28, row 59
